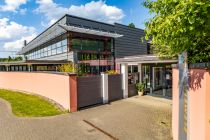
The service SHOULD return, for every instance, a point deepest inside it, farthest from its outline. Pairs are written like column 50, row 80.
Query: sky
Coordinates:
column 24, row 19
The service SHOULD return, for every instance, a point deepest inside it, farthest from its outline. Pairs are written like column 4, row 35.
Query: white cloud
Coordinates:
column 12, row 5
column 96, row 10
column 13, row 34
column 23, row 11
column 17, row 44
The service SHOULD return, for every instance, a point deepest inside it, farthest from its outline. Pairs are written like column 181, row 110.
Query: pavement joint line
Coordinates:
column 106, row 133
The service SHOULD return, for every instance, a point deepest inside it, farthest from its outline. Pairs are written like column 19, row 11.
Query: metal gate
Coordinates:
column 89, row 91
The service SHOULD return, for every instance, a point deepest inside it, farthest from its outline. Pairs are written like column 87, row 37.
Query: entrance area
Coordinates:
column 156, row 78
column 155, row 74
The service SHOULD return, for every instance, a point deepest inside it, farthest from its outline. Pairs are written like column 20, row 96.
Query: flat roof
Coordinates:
column 29, row 62
column 89, row 31
column 144, row 59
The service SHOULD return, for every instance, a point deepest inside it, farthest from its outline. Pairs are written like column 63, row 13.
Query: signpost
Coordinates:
column 183, row 96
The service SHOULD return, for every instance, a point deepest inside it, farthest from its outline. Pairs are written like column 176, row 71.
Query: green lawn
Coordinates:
column 26, row 105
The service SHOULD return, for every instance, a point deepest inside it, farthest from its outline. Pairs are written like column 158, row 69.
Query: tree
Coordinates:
column 11, row 59
column 131, row 25
column 180, row 25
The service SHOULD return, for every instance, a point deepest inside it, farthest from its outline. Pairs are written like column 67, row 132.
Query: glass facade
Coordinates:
column 53, row 49
column 94, row 56
column 90, row 45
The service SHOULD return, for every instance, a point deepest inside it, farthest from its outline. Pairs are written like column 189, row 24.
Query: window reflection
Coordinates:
column 56, row 48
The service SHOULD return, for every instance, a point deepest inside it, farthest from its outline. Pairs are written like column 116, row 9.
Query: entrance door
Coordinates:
column 157, row 80
column 161, row 81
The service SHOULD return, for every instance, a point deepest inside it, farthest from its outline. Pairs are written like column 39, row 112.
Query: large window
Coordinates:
column 90, row 45
column 56, row 48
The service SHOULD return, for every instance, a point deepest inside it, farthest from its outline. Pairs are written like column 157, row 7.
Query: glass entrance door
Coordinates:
column 157, row 80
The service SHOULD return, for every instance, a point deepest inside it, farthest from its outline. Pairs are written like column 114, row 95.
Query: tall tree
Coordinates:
column 180, row 25
column 131, row 25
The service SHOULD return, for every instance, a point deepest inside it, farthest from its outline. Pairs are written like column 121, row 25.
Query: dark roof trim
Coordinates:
column 68, row 15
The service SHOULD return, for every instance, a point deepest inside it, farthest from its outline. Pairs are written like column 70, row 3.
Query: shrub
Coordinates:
column 70, row 67
column 111, row 72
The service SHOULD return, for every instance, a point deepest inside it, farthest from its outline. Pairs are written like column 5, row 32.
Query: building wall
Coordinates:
column 199, row 110
column 130, row 44
column 52, row 86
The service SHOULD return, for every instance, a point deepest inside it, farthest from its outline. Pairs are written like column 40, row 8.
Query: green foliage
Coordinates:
column 10, row 59
column 180, row 25
column 81, row 69
column 70, row 67
column 131, row 25
column 140, row 87
column 111, row 72
column 26, row 105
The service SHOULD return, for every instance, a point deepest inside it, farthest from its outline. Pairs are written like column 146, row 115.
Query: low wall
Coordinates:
column 199, row 101
column 52, row 86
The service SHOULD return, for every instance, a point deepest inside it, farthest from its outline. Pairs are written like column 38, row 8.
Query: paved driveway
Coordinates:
column 136, row 118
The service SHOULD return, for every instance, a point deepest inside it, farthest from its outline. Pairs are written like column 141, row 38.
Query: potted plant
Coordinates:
column 140, row 88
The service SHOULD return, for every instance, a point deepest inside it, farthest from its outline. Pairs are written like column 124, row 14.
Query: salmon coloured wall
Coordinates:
column 52, row 86
column 199, row 109
column 207, row 75
column 175, row 103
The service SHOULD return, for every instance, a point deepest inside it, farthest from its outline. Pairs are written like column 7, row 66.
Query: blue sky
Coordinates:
column 24, row 19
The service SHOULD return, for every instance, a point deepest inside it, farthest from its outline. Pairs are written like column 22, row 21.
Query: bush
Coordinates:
column 70, row 67
column 140, row 87
column 111, row 72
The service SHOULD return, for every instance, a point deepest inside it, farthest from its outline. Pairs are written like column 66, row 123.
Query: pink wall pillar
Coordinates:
column 197, row 108
column 199, row 100
column 73, row 93
column 175, row 104
column 207, row 75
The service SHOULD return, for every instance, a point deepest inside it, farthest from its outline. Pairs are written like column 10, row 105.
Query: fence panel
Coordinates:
column 89, row 91
column 115, row 90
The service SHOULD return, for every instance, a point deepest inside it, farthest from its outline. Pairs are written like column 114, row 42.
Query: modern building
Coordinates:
column 95, row 47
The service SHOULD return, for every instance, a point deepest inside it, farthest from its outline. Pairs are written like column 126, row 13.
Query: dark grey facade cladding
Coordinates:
column 128, row 45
